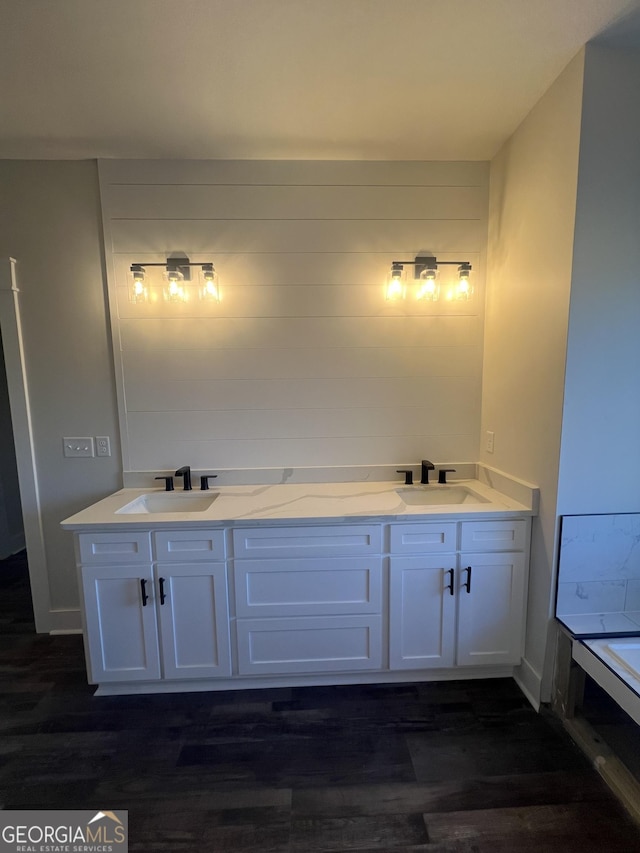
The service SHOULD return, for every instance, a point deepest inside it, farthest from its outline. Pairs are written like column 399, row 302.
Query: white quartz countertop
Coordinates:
column 297, row 503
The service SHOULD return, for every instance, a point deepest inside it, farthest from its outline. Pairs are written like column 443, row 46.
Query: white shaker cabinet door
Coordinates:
column 491, row 609
column 121, row 632
column 194, row 620
column 422, row 612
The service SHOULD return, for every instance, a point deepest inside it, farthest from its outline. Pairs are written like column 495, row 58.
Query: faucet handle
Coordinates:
column 408, row 475
column 442, row 474
column 204, row 481
column 168, row 483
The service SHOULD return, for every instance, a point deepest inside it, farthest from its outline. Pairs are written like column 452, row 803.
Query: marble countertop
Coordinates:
column 297, row 503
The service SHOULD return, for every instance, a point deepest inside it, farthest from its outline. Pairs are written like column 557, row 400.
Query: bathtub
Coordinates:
column 614, row 663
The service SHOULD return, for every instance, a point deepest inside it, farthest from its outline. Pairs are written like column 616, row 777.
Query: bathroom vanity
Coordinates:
column 249, row 586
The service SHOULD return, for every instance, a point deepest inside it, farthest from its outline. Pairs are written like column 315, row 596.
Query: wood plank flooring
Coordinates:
column 454, row 766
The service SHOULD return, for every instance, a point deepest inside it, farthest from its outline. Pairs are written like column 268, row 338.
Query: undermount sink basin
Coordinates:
column 438, row 495
column 168, row 502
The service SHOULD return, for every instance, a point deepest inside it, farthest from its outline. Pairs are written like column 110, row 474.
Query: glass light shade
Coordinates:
column 209, row 290
column 395, row 286
column 174, row 289
column 428, row 287
column 464, row 288
column 138, row 290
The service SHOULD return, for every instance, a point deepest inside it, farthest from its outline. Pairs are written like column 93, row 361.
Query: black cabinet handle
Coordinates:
column 467, row 583
column 143, row 589
column 449, row 586
column 162, row 593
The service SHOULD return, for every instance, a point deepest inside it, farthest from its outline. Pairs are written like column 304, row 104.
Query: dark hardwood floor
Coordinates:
column 454, row 766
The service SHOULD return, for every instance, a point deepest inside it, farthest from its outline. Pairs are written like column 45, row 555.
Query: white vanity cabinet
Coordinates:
column 452, row 606
column 193, row 608
column 155, row 615
column 308, row 599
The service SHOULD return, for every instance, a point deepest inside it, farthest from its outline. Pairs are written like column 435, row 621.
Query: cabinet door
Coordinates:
column 194, row 620
column 491, row 610
column 422, row 612
column 121, row 633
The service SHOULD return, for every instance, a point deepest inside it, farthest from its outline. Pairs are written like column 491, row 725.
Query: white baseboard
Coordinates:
column 63, row 622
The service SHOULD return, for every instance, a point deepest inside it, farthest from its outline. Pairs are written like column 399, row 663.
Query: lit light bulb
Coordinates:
column 464, row 288
column 138, row 291
column 209, row 289
column 395, row 283
column 429, row 288
column 174, row 290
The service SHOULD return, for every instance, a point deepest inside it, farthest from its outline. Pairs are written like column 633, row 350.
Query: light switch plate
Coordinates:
column 490, row 441
column 74, row 447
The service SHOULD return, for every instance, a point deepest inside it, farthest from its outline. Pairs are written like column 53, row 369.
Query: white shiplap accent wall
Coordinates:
column 303, row 363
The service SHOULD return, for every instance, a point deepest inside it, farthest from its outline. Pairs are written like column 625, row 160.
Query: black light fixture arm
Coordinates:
column 177, row 264
column 426, row 262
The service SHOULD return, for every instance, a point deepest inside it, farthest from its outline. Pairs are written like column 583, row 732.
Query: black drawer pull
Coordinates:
column 143, row 589
column 449, row 586
column 162, row 593
column 467, row 583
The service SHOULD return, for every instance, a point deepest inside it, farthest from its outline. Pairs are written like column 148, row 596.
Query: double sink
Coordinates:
column 181, row 501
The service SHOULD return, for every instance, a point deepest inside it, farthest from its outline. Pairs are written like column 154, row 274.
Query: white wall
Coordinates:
column 531, row 215
column 50, row 222
column 303, row 363
column 11, row 527
column 600, row 459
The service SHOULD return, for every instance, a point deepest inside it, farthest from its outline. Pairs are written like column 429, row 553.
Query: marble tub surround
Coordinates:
column 599, row 574
column 300, row 501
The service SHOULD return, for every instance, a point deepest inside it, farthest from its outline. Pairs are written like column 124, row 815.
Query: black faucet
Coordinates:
column 185, row 472
column 426, row 467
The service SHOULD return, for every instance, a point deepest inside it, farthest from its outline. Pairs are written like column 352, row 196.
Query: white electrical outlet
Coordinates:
column 103, row 445
column 78, row 447
column 489, row 444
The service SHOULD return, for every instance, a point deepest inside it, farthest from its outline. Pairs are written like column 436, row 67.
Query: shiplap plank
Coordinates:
column 300, row 332
column 309, row 422
column 299, row 452
column 403, row 237
column 291, row 301
column 318, row 363
column 298, row 269
column 295, row 172
column 159, row 395
column 277, row 202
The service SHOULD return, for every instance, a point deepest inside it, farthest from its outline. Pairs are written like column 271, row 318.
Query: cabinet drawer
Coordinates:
column 429, row 538
column 318, row 541
column 493, row 535
column 125, row 548
column 306, row 645
column 189, row 545
column 308, row 587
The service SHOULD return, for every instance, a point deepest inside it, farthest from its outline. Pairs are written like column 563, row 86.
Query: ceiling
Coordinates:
column 282, row 79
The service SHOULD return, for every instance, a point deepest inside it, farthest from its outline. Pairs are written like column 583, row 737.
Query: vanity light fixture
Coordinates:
column 426, row 274
column 178, row 285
